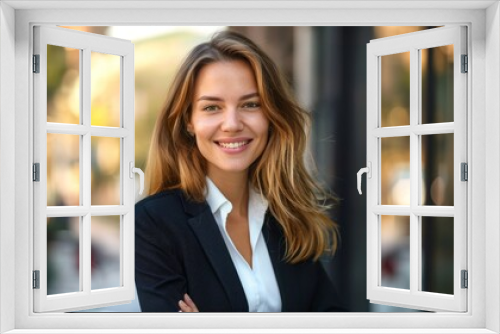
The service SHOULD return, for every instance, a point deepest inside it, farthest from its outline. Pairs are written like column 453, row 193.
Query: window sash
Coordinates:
column 413, row 298
column 86, row 297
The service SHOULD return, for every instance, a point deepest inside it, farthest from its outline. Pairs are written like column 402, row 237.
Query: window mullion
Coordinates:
column 80, row 130
column 414, row 170
column 81, row 161
column 421, row 211
column 85, row 241
column 85, row 236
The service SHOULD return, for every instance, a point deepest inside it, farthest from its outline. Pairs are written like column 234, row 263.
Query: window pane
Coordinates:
column 105, row 89
column 105, row 252
column 395, row 171
column 63, row 169
column 437, row 84
column 105, row 171
column 437, row 254
column 395, row 251
column 395, row 90
column 63, row 85
column 63, row 255
column 437, row 169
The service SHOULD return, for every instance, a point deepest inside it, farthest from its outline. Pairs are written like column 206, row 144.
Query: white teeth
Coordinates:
column 233, row 145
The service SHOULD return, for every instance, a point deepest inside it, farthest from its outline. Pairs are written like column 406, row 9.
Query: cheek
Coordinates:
column 202, row 128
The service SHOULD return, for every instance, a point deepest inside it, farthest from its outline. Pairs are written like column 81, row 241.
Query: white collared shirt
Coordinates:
column 259, row 283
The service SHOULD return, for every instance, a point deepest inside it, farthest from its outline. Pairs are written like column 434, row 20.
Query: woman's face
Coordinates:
column 227, row 120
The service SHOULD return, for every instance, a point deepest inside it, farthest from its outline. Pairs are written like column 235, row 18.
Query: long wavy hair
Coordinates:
column 295, row 199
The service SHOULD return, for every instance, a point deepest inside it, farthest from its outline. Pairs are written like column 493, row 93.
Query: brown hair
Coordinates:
column 295, row 199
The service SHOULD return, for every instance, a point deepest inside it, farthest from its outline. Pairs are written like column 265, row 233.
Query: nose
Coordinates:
column 232, row 121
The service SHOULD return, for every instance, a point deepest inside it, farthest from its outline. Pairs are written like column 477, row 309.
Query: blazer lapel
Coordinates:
column 276, row 247
column 206, row 230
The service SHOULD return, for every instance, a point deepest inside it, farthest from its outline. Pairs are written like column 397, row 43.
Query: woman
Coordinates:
column 233, row 221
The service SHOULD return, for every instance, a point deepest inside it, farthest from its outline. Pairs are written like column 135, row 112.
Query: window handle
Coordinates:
column 368, row 171
column 133, row 170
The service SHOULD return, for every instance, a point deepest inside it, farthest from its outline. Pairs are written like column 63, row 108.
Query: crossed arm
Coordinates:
column 187, row 304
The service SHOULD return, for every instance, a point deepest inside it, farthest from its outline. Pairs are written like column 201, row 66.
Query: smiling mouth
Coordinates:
column 234, row 145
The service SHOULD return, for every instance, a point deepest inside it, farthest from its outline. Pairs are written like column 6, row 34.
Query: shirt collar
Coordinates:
column 257, row 207
column 214, row 197
column 257, row 204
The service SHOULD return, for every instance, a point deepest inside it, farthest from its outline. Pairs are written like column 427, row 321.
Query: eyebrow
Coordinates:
column 215, row 98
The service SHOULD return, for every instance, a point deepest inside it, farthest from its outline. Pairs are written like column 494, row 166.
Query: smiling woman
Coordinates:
column 234, row 222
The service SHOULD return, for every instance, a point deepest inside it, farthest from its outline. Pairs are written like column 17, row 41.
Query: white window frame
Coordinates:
column 16, row 128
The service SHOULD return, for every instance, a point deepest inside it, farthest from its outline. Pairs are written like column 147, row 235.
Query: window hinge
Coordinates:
column 36, row 63
column 36, row 279
column 465, row 64
column 465, row 279
column 36, row 172
column 464, row 171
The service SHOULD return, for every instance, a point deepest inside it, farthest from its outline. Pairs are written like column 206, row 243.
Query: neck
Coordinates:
column 234, row 186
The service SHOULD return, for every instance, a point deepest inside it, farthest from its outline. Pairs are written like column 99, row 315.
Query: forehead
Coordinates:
column 225, row 77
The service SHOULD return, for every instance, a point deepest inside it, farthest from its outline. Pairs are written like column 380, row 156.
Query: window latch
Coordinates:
column 133, row 170
column 368, row 171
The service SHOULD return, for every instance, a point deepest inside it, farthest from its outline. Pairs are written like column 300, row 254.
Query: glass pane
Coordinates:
column 63, row 255
column 105, row 171
column 395, row 90
column 63, row 85
column 63, row 169
column 105, row 89
column 395, row 171
column 437, row 169
column 395, row 250
column 105, row 252
column 437, row 84
column 437, row 254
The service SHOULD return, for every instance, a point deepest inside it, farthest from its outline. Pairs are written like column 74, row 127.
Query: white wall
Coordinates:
column 492, row 148
column 7, row 159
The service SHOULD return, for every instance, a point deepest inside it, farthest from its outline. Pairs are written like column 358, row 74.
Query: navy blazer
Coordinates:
column 179, row 249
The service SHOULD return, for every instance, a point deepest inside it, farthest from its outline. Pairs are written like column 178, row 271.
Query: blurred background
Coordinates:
column 326, row 68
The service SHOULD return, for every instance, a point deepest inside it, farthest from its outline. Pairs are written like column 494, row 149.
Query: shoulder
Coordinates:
column 169, row 205
column 160, row 217
column 159, row 204
column 172, row 196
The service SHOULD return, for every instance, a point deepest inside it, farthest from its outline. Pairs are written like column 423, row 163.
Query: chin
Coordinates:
column 233, row 168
